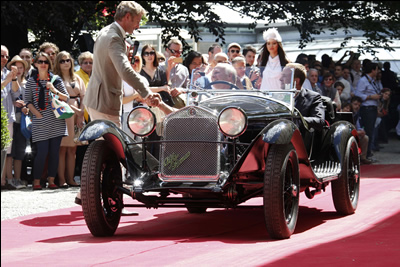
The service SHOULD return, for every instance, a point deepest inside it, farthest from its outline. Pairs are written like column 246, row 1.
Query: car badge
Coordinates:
column 174, row 161
column 192, row 111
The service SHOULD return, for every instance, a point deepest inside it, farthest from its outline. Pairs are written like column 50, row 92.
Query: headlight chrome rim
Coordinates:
column 141, row 121
column 230, row 124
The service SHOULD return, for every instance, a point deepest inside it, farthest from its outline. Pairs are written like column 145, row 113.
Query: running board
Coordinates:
column 327, row 171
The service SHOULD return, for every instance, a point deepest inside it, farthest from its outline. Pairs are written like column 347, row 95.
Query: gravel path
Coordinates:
column 16, row 203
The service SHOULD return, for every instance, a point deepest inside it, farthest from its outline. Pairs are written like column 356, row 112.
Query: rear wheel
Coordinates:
column 281, row 191
column 101, row 201
column 346, row 189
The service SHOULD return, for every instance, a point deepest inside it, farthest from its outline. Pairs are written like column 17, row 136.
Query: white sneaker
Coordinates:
column 17, row 184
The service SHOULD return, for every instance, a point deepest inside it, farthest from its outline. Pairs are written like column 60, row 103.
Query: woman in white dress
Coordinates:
column 273, row 60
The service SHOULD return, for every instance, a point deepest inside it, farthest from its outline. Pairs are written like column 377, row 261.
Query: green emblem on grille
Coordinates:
column 174, row 162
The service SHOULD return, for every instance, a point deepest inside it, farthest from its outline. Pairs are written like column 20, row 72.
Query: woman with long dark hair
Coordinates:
column 155, row 75
column 273, row 60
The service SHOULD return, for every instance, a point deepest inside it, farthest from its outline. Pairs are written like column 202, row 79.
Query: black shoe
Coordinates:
column 365, row 161
column 78, row 201
column 64, row 186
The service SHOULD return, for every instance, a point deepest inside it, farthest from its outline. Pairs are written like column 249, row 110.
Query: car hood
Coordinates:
column 254, row 106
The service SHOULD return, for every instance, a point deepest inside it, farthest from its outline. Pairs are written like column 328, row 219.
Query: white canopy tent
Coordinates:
column 326, row 46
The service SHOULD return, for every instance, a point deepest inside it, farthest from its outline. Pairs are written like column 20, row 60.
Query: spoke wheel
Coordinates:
column 101, row 202
column 346, row 189
column 281, row 191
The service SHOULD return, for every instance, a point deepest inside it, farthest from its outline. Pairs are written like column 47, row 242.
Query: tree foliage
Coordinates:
column 61, row 22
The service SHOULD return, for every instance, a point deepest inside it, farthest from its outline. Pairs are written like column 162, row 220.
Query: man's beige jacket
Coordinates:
column 110, row 67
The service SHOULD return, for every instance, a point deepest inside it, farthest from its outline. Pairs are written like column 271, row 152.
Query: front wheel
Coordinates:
column 102, row 203
column 281, row 191
column 346, row 189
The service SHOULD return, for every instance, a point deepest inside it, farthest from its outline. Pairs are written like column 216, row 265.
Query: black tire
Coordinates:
column 101, row 202
column 346, row 189
column 281, row 191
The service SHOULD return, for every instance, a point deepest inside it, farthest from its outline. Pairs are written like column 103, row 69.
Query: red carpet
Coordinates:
column 381, row 171
column 172, row 237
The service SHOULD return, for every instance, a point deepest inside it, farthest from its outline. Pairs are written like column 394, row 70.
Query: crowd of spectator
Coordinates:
column 363, row 88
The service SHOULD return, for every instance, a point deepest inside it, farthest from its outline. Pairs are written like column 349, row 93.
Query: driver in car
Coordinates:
column 223, row 72
column 308, row 102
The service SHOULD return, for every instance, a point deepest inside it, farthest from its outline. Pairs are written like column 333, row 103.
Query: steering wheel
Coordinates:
column 224, row 82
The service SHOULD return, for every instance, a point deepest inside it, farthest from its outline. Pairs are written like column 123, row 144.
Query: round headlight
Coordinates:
column 232, row 121
column 141, row 121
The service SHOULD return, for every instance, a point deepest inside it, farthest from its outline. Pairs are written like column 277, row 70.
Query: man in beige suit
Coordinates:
column 103, row 98
column 111, row 65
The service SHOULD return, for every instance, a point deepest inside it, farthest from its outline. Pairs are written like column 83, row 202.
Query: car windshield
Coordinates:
column 206, row 82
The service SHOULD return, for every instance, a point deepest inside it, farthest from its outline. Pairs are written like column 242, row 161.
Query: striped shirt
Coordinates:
column 49, row 126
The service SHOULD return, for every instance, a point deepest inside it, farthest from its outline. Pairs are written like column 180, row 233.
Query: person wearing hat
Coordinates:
column 273, row 60
column 233, row 51
column 18, row 145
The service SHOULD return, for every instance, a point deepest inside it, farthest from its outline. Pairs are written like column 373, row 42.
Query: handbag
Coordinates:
column 61, row 109
column 179, row 102
column 26, row 126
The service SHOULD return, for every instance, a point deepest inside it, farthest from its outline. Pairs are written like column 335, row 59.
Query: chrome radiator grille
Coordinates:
column 185, row 160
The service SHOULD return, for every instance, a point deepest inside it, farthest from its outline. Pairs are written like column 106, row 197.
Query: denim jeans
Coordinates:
column 49, row 147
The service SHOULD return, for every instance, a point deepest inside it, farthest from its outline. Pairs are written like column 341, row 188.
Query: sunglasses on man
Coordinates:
column 175, row 51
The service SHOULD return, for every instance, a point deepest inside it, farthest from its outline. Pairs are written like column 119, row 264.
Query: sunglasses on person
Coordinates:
column 235, row 51
column 175, row 51
column 87, row 63
column 151, row 53
column 328, row 79
column 43, row 62
column 62, row 61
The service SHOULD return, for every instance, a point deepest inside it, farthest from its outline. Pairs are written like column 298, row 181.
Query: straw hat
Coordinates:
column 17, row 59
